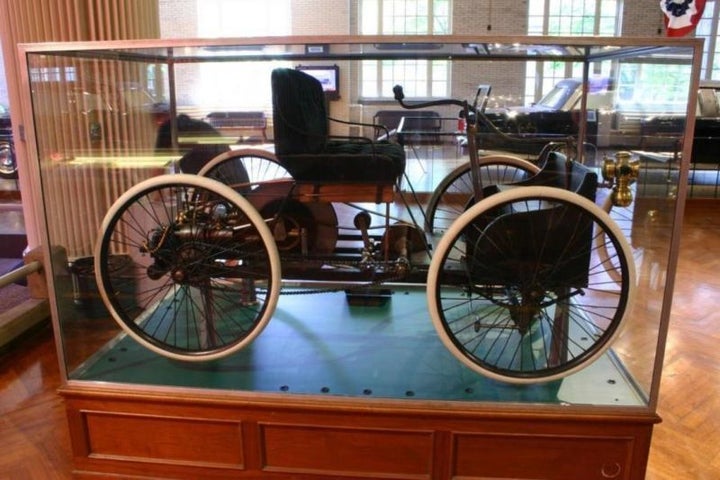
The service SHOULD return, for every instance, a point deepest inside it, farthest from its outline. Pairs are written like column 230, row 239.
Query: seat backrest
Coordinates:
column 558, row 173
column 300, row 121
column 571, row 229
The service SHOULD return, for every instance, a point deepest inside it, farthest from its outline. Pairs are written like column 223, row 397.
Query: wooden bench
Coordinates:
column 424, row 126
column 238, row 123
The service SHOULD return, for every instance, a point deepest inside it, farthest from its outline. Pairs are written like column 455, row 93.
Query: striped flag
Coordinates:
column 681, row 16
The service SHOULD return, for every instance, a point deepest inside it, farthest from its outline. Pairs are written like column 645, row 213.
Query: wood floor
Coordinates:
column 686, row 446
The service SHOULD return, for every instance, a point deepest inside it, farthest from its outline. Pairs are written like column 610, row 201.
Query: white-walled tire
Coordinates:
column 187, row 267
column 452, row 195
column 521, row 303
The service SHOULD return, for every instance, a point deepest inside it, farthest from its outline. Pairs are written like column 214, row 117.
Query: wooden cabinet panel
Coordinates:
column 185, row 434
column 546, row 456
column 347, row 451
column 153, row 439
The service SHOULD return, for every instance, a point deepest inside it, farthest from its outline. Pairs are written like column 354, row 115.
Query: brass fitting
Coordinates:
column 620, row 172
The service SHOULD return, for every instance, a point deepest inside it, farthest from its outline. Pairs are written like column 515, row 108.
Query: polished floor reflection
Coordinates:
column 34, row 443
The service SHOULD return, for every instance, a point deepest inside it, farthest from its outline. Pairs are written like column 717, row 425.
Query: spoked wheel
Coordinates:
column 258, row 176
column 8, row 163
column 517, row 290
column 451, row 197
column 187, row 267
column 623, row 217
column 240, row 169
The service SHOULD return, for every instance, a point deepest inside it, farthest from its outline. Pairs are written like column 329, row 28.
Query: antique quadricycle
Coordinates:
column 527, row 278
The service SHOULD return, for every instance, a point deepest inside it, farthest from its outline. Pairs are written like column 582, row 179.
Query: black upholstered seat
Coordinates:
column 557, row 172
column 523, row 231
column 305, row 148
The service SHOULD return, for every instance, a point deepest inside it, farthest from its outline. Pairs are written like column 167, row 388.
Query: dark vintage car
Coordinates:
column 8, row 165
column 706, row 138
column 102, row 107
column 556, row 114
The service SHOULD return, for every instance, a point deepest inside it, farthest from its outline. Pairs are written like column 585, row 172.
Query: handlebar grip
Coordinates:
column 398, row 91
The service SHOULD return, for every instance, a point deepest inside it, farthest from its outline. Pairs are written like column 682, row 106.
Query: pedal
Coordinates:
column 362, row 223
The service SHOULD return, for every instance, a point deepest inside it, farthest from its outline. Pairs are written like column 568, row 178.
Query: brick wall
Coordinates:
column 178, row 18
column 642, row 18
column 320, row 17
column 337, row 17
column 489, row 17
column 469, row 17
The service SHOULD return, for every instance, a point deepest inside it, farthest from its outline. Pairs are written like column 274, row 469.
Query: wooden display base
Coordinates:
column 150, row 432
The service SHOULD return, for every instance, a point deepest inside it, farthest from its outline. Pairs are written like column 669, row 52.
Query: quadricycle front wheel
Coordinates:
column 519, row 291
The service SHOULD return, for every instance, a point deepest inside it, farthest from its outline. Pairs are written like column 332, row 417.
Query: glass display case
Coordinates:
column 349, row 361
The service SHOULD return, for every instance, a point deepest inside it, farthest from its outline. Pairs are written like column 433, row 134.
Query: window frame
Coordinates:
column 711, row 48
column 377, row 77
column 541, row 77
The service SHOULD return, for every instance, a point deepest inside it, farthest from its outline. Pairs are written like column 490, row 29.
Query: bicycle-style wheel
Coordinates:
column 518, row 291
column 452, row 196
column 258, row 176
column 187, row 267
column 241, row 169
column 623, row 216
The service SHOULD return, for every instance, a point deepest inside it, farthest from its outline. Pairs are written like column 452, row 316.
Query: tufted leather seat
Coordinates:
column 305, row 148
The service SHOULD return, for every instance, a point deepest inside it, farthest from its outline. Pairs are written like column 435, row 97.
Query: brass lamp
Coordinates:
column 621, row 172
